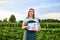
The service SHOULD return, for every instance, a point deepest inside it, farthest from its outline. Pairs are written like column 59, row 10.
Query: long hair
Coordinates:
column 33, row 13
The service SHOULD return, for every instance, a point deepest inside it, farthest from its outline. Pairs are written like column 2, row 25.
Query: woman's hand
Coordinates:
column 27, row 27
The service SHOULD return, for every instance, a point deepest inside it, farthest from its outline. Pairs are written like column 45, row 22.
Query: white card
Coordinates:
column 32, row 25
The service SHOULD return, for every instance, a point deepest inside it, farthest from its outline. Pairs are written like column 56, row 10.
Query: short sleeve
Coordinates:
column 25, row 20
column 37, row 20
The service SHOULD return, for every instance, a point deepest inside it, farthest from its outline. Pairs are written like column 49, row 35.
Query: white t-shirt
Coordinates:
column 27, row 19
column 30, row 22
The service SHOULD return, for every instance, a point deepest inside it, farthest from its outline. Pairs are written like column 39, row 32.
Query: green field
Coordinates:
column 15, row 32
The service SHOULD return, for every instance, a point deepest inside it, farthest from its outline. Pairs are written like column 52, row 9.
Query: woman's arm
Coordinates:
column 23, row 26
column 39, row 26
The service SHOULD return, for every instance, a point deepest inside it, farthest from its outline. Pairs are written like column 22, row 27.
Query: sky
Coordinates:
column 44, row 9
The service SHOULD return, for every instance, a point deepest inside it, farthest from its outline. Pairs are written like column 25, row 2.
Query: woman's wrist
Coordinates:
column 24, row 27
column 27, row 27
column 35, row 30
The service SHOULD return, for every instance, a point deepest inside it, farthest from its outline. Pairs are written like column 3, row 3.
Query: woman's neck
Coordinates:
column 30, row 17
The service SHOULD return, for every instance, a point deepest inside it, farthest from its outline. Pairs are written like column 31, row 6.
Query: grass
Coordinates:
column 50, row 29
column 7, row 33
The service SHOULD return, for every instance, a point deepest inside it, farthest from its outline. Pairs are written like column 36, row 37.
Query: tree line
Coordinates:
column 13, row 19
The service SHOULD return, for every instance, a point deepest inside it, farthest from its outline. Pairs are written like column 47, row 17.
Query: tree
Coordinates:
column 12, row 18
column 50, row 20
column 0, row 20
column 5, row 20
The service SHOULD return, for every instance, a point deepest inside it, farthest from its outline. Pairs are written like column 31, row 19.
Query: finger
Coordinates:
column 34, row 24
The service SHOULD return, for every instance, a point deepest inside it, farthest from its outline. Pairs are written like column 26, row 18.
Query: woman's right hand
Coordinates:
column 27, row 27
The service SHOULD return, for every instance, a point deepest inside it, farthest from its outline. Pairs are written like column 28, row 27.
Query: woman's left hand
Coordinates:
column 35, row 30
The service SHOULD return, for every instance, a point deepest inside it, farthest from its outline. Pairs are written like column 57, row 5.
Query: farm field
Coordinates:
column 15, row 32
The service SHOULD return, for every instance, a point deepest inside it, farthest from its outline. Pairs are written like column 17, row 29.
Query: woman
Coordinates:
column 28, row 34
